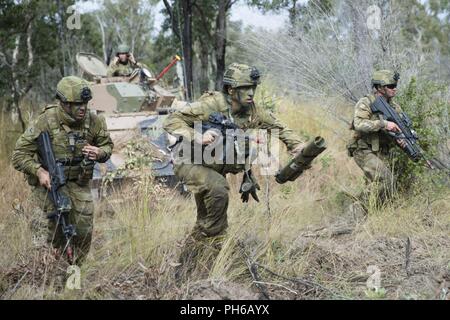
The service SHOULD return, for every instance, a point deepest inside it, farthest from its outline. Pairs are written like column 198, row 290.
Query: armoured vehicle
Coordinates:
column 133, row 105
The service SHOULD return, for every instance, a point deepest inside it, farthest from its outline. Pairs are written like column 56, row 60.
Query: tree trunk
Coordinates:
column 102, row 31
column 17, row 91
column 204, row 65
column 173, row 19
column 16, row 103
column 187, row 47
column 15, row 86
column 221, row 41
column 293, row 16
column 360, row 39
column 61, row 35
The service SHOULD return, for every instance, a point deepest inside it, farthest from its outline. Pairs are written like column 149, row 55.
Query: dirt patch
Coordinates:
column 41, row 267
column 218, row 290
column 134, row 283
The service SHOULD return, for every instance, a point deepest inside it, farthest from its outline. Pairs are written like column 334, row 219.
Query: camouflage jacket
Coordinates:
column 120, row 69
column 181, row 123
column 368, row 127
column 68, row 139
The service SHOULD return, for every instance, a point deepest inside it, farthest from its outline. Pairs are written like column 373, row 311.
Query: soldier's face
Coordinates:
column 78, row 110
column 244, row 95
column 123, row 57
column 390, row 90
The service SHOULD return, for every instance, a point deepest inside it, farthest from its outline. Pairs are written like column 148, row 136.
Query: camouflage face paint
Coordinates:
column 78, row 110
column 245, row 95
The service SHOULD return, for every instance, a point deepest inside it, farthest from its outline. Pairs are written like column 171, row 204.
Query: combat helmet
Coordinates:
column 241, row 75
column 73, row 89
column 385, row 77
column 123, row 48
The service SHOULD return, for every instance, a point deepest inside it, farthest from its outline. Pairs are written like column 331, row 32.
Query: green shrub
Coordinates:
column 266, row 100
column 425, row 105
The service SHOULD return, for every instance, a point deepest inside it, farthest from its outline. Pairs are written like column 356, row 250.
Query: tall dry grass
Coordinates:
column 299, row 242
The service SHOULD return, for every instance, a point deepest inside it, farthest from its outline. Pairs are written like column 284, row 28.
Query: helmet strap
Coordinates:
column 242, row 108
column 235, row 99
column 67, row 108
column 70, row 108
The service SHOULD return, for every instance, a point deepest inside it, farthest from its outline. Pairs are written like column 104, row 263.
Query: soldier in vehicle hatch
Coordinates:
column 123, row 63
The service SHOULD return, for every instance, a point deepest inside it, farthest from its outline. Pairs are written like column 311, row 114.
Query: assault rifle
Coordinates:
column 407, row 134
column 228, row 130
column 60, row 201
column 219, row 122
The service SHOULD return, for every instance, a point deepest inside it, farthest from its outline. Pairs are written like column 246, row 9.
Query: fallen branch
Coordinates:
column 252, row 267
column 408, row 256
column 277, row 285
column 304, row 282
column 17, row 284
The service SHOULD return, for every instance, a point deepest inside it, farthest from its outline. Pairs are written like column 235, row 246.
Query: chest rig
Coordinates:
column 243, row 148
column 123, row 69
column 68, row 143
column 375, row 141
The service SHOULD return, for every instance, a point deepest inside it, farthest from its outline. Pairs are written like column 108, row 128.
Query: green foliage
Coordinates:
column 237, row 50
column 429, row 23
column 287, row 190
column 275, row 251
column 130, row 22
column 341, row 199
column 52, row 44
column 326, row 161
column 139, row 156
column 424, row 104
column 265, row 99
column 163, row 49
column 297, row 9
column 378, row 293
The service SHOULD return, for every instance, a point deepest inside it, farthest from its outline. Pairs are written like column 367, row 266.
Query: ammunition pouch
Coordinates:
column 78, row 169
column 353, row 143
column 71, row 172
column 86, row 172
column 369, row 141
column 364, row 141
column 71, row 167
column 375, row 142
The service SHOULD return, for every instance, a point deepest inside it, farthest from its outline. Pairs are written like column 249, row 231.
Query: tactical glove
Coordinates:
column 249, row 187
column 115, row 61
column 132, row 59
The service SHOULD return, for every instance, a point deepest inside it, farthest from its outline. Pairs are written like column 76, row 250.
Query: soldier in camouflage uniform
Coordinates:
column 76, row 134
column 123, row 63
column 208, row 183
column 370, row 145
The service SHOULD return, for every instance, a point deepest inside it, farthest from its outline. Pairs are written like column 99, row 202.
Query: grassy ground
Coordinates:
column 299, row 242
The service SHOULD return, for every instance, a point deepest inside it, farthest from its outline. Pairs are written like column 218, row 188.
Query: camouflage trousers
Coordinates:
column 81, row 216
column 210, row 190
column 375, row 166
